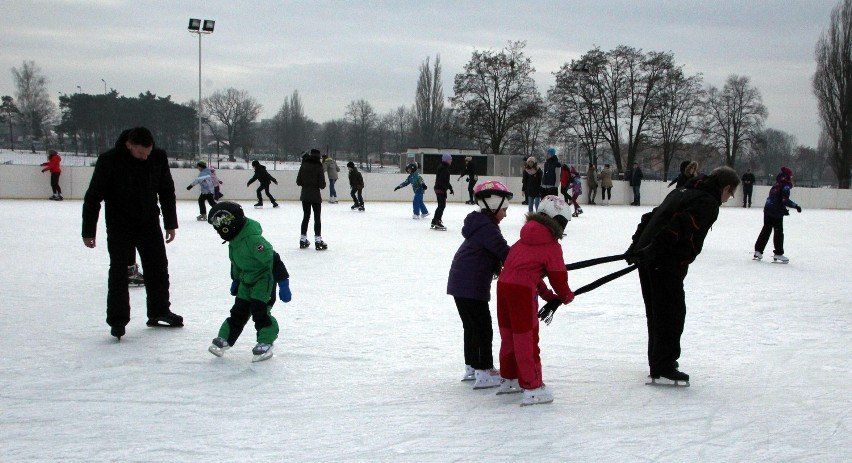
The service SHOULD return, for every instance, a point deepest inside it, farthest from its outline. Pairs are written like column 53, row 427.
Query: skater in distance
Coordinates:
column 131, row 179
column 264, row 179
column 667, row 240
column 773, row 216
column 52, row 165
column 419, row 186
column 311, row 178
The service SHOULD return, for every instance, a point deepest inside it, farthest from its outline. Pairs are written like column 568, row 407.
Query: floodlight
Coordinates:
column 194, row 24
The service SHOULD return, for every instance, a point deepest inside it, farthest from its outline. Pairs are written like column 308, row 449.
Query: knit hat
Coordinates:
column 551, row 151
column 350, row 164
column 315, row 152
column 446, row 157
column 786, row 171
column 531, row 159
column 255, row 163
column 201, row 164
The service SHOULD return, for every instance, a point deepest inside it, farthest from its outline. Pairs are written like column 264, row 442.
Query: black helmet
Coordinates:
column 227, row 218
column 411, row 167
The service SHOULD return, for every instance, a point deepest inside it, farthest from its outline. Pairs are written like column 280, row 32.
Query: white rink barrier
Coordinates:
column 28, row 182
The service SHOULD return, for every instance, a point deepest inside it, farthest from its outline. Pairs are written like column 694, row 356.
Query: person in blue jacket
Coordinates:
column 773, row 216
column 419, row 186
column 477, row 260
column 208, row 189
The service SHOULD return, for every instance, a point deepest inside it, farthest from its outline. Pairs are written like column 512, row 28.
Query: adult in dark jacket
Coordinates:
column 477, row 260
column 470, row 172
column 311, row 178
column 130, row 179
column 356, row 185
column 532, row 182
column 748, row 187
column 688, row 170
column 667, row 240
column 636, row 177
column 442, row 187
column 549, row 181
column 773, row 216
column 265, row 179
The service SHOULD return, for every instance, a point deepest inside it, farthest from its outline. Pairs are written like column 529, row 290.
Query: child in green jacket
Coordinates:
column 255, row 269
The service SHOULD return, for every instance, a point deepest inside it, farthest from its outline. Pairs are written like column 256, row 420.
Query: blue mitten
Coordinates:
column 284, row 290
column 235, row 286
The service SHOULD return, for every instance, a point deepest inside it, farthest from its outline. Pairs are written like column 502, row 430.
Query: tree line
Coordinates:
column 616, row 106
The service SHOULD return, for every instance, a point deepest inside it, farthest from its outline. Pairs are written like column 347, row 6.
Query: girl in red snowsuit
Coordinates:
column 52, row 165
column 536, row 254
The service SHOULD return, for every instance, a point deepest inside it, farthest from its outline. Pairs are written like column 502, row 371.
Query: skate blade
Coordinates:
column 261, row 357
column 511, row 391
column 217, row 351
column 667, row 383
column 476, row 388
column 780, row 262
column 527, row 404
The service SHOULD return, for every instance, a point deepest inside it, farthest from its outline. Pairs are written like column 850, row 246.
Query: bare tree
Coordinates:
column 362, row 119
column 832, row 85
column 293, row 128
column 8, row 113
column 494, row 94
column 773, row 149
column 236, row 110
column 36, row 108
column 333, row 135
column 575, row 109
column 527, row 137
column 399, row 124
column 429, row 103
column 734, row 116
column 675, row 117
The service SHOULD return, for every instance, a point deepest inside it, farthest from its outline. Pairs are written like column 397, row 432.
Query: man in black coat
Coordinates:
column 748, row 187
column 636, row 177
column 667, row 240
column 130, row 179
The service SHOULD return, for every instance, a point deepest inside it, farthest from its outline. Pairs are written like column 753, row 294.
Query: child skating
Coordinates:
column 207, row 185
column 255, row 269
column 416, row 181
column 536, row 255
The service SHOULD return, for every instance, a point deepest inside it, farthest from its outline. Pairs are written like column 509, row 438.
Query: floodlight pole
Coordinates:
column 195, row 27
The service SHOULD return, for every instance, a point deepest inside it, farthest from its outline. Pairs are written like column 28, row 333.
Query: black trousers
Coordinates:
column 747, row 195
column 54, row 183
column 606, row 193
column 442, row 204
column 264, row 188
column 202, row 208
column 356, row 196
column 470, row 185
column 665, row 311
column 241, row 311
column 775, row 227
column 148, row 241
column 478, row 332
column 306, row 217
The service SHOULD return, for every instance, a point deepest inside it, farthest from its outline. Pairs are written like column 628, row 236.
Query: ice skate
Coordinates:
column 361, row 208
column 167, row 320
column 416, row 216
column 59, row 197
column 117, row 331
column 672, row 378
column 469, row 373
column 424, row 215
column 134, row 276
column 541, row 395
column 258, row 206
column 354, row 207
column 201, row 218
column 780, row 259
column 303, row 243
column 274, row 205
column 758, row 255
column 486, row 379
column 321, row 246
column 261, row 351
column 438, row 226
column 575, row 215
column 53, row 198
column 579, row 211
column 218, row 347
column 509, row 386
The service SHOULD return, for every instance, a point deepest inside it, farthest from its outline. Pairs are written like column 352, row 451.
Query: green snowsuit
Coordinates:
column 251, row 267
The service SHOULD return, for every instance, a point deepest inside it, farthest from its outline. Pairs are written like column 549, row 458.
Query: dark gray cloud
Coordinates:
column 334, row 52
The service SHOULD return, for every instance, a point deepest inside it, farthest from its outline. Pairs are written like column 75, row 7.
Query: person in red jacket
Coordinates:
column 52, row 165
column 521, row 282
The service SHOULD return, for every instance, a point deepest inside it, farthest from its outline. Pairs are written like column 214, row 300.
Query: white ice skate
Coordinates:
column 758, row 255
column 469, row 373
column 261, row 351
column 486, row 379
column 218, row 347
column 780, row 259
column 509, row 386
column 541, row 395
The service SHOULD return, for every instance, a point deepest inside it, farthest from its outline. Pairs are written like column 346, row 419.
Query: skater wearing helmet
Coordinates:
column 477, row 260
column 773, row 216
column 667, row 240
column 255, row 270
column 208, row 189
column 536, row 255
column 416, row 181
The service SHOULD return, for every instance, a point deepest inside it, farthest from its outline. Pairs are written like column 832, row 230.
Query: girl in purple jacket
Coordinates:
column 477, row 260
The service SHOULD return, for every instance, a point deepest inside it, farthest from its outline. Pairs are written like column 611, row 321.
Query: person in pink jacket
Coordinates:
column 52, row 165
column 536, row 255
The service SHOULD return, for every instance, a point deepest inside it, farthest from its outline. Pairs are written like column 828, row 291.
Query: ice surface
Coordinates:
column 369, row 358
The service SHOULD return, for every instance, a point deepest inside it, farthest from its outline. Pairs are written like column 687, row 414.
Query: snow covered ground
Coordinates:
column 368, row 363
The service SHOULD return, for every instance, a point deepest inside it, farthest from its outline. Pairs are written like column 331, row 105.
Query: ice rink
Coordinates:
column 369, row 358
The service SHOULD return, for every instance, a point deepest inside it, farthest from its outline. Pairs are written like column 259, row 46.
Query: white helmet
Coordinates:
column 555, row 208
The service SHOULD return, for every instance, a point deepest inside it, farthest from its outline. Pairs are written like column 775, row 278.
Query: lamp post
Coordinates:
column 199, row 27
column 79, row 89
column 105, row 86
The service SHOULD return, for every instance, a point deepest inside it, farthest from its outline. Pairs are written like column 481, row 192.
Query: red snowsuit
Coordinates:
column 535, row 255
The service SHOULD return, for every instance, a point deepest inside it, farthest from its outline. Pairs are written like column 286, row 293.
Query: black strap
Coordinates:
column 596, row 261
column 606, row 279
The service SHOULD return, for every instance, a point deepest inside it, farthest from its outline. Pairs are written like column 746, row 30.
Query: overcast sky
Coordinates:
column 334, row 52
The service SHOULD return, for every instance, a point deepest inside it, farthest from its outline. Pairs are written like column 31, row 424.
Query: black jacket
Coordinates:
column 442, row 179
column 311, row 178
column 677, row 227
column 262, row 176
column 130, row 190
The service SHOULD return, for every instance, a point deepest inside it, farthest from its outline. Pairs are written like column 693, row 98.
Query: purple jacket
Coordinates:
column 481, row 254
